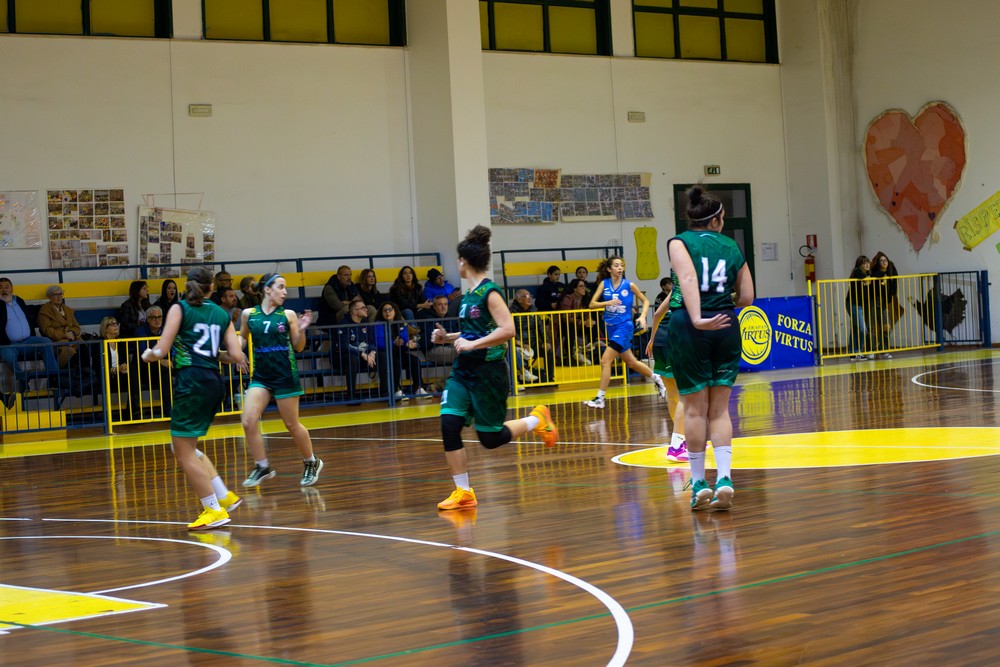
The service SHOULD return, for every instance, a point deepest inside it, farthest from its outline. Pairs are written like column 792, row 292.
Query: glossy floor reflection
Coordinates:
column 864, row 531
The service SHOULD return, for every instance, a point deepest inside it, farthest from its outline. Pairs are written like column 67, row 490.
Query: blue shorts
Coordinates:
column 620, row 336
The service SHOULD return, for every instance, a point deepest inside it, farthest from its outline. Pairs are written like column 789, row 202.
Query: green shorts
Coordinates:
column 703, row 359
column 661, row 361
column 478, row 395
column 198, row 394
column 279, row 390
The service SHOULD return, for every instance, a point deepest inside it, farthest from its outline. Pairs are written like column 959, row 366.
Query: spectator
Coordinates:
column 393, row 340
column 859, row 303
column 57, row 322
column 229, row 302
column 368, row 289
column 438, row 356
column 250, row 297
column 339, row 291
column 436, row 285
column 534, row 334
column 548, row 293
column 132, row 312
column 886, row 303
column 223, row 280
column 17, row 342
column 121, row 374
column 159, row 378
column 407, row 293
column 578, row 336
column 168, row 295
column 153, row 326
column 582, row 272
column 355, row 347
column 665, row 287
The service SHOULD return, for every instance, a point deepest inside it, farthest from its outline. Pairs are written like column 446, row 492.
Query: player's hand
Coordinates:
column 462, row 345
column 649, row 349
column 439, row 335
column 720, row 321
column 305, row 319
column 149, row 356
column 614, row 302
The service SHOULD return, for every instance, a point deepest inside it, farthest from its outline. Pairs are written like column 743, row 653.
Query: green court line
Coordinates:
column 544, row 626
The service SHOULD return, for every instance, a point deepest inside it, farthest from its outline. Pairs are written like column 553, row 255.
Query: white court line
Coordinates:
column 97, row 596
column 224, row 555
column 915, row 381
column 473, row 442
column 626, row 633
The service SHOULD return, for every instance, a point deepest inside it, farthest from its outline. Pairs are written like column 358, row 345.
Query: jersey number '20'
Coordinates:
column 210, row 334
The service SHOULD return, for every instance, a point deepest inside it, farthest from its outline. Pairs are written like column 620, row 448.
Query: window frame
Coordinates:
column 397, row 26
column 163, row 22
column 602, row 24
column 768, row 17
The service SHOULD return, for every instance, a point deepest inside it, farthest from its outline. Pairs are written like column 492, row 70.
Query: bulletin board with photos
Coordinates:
column 175, row 236
column 20, row 219
column 87, row 228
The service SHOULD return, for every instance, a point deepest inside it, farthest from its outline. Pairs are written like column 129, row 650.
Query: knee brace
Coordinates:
column 451, row 432
column 494, row 439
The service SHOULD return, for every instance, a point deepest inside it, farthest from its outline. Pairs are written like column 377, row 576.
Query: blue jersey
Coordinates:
column 615, row 316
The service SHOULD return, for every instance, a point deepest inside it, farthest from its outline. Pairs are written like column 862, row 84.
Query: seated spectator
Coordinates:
column 229, row 302
column 436, row 285
column 437, row 355
column 122, row 375
column 168, row 295
column 534, row 334
column 578, row 336
column 250, row 297
column 354, row 348
column 368, row 289
column 17, row 342
column 339, row 291
column 223, row 280
column 392, row 339
column 407, row 293
column 158, row 379
column 57, row 322
column 548, row 293
column 664, row 292
column 582, row 272
column 132, row 312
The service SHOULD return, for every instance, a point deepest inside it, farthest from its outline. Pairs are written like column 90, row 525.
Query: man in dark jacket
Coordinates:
column 336, row 298
column 354, row 344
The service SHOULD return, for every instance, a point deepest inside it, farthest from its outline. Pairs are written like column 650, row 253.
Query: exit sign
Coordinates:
column 713, row 170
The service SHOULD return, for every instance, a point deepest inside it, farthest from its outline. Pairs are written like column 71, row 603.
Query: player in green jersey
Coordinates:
column 476, row 391
column 276, row 335
column 193, row 332
column 705, row 340
column 659, row 349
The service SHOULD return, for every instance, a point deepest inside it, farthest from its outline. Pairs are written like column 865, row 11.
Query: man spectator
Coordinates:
column 438, row 355
column 16, row 339
column 534, row 333
column 339, row 291
column 229, row 302
column 355, row 345
column 436, row 286
column 222, row 281
column 57, row 322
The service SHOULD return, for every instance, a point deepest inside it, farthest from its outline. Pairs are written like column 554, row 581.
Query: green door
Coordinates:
column 739, row 219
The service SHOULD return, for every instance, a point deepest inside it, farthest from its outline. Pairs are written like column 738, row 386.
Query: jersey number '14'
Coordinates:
column 718, row 275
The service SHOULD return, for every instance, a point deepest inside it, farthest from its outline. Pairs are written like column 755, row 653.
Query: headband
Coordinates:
column 272, row 279
column 709, row 217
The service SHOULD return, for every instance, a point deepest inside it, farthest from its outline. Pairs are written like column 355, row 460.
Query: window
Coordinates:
column 546, row 26
column 372, row 22
column 116, row 18
column 738, row 30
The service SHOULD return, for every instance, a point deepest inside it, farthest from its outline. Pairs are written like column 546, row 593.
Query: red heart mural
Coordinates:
column 915, row 166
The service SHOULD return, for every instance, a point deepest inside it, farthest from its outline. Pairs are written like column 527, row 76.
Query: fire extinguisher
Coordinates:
column 807, row 252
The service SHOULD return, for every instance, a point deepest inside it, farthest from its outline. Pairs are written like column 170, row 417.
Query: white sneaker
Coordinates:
column 530, row 377
column 887, row 356
column 661, row 388
column 597, row 402
column 421, row 392
column 582, row 358
column 400, row 396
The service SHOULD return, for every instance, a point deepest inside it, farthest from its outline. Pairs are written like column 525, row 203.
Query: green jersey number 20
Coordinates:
column 208, row 344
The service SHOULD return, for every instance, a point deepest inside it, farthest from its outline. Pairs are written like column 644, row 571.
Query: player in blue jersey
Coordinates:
column 617, row 296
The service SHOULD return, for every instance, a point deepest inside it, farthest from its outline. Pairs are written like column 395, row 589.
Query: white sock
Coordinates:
column 462, row 481
column 532, row 422
column 697, row 465
column 211, row 502
column 263, row 463
column 311, row 459
column 676, row 439
column 600, row 393
column 220, row 487
column 724, row 460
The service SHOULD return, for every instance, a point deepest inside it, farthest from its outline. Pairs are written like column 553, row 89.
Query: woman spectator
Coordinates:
column 859, row 305
column 57, row 322
column 407, row 293
column 578, row 334
column 132, row 313
column 249, row 296
column 121, row 375
column 392, row 338
column 168, row 295
column 548, row 293
column 155, row 378
column 886, row 303
column 368, row 289
column 583, row 273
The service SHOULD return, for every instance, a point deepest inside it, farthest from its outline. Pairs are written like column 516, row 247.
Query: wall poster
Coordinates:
column 175, row 236
column 20, row 219
column 87, row 228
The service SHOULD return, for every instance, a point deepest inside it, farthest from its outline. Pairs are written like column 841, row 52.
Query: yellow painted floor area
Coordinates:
column 841, row 448
column 37, row 606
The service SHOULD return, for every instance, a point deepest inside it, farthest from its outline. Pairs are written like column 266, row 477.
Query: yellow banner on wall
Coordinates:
column 979, row 223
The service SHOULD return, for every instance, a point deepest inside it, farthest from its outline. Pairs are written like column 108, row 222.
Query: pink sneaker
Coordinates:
column 678, row 454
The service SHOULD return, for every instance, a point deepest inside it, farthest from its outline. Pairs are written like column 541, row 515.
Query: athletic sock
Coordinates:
column 724, row 460
column 211, row 502
column 697, row 465
column 676, row 439
column 532, row 422
column 462, row 481
column 221, row 491
column 311, row 459
column 601, row 393
column 263, row 463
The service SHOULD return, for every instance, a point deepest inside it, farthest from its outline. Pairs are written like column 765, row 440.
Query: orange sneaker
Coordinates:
column 546, row 428
column 459, row 499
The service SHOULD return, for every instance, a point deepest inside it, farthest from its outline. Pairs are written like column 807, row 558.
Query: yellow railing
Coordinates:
column 559, row 347
column 875, row 316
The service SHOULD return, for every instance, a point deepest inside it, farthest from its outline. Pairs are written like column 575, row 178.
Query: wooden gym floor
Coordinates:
column 865, row 531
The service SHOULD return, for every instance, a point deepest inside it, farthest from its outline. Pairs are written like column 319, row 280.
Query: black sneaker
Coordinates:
column 310, row 472
column 258, row 475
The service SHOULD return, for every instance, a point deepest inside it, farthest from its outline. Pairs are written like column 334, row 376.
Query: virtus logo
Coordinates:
column 755, row 331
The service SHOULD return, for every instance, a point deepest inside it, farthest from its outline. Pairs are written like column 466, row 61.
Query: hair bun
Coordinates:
column 695, row 194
